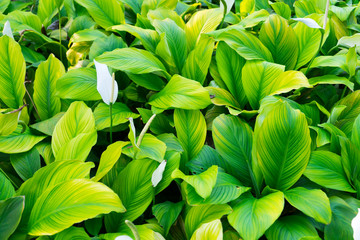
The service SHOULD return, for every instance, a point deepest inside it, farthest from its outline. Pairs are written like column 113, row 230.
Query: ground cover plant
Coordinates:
column 169, row 119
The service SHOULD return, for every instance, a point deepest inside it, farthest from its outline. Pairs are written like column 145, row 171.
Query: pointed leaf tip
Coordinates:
column 106, row 85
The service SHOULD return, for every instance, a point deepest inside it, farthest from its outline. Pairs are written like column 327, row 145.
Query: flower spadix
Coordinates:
column 106, row 84
column 7, row 30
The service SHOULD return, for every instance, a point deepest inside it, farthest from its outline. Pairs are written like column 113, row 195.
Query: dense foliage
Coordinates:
column 169, row 119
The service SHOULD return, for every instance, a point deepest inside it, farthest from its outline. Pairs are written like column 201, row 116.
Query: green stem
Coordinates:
column 111, row 122
column 225, row 10
column 133, row 229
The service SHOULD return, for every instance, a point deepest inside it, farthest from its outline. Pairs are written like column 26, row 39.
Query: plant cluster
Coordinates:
column 169, row 119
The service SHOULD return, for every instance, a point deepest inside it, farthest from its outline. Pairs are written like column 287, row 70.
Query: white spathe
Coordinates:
column 106, row 86
column 308, row 21
column 229, row 4
column 123, row 237
column 158, row 174
column 7, row 30
column 355, row 224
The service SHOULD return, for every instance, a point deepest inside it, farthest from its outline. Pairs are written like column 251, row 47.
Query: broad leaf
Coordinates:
column 167, row 213
column 26, row 164
column 201, row 22
column 212, row 230
column 45, row 99
column 47, row 10
column 233, row 141
column 108, row 159
column 7, row 189
column 182, row 93
column 120, row 114
column 191, row 131
column 331, row 79
column 230, row 65
column 283, row 146
column 8, row 123
column 78, row 84
column 74, row 233
column 303, row 199
column 12, row 65
column 3, row 5
column 47, row 127
column 252, row 217
column 203, row 183
column 325, row 168
column 292, row 227
column 105, row 13
column 18, row 141
column 60, row 207
column 74, row 134
column 280, row 39
column 133, row 185
column 105, row 44
column 133, row 60
column 199, row 215
column 10, row 215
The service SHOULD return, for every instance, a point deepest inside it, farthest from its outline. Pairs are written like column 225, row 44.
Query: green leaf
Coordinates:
column 230, row 65
column 10, row 215
column 150, row 147
column 105, row 44
column 203, row 183
column 283, row 146
column 120, row 114
column 73, row 233
column 47, row 10
column 46, row 178
column 212, row 230
column 226, row 189
column 282, row 9
column 74, row 134
column 252, row 217
column 351, row 61
column 175, row 39
column 46, row 76
column 201, row 22
column 60, row 207
column 182, row 93
column 148, row 37
column 78, row 84
column 167, row 213
column 159, row 125
column 205, row 159
column 280, row 39
column 105, row 13
column 4, row 5
column 86, row 35
column 308, row 40
column 7, row 189
column 233, row 141
column 245, row 44
column 26, row 164
column 292, row 227
column 133, row 60
column 342, row 215
column 133, row 185
column 172, row 162
column 350, row 154
column 44, row 148
column 198, row 61
column 325, row 168
column 47, row 126
column 8, row 123
column 331, row 79
column 191, row 131
column 259, row 77
column 200, row 215
column 108, row 159
column 303, row 199
column 12, row 65
column 347, row 117
column 18, row 141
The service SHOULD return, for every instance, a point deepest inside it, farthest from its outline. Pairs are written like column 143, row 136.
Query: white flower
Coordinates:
column 123, row 237
column 106, row 86
column 7, row 30
column 355, row 224
column 158, row 174
column 308, row 21
column 229, row 4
